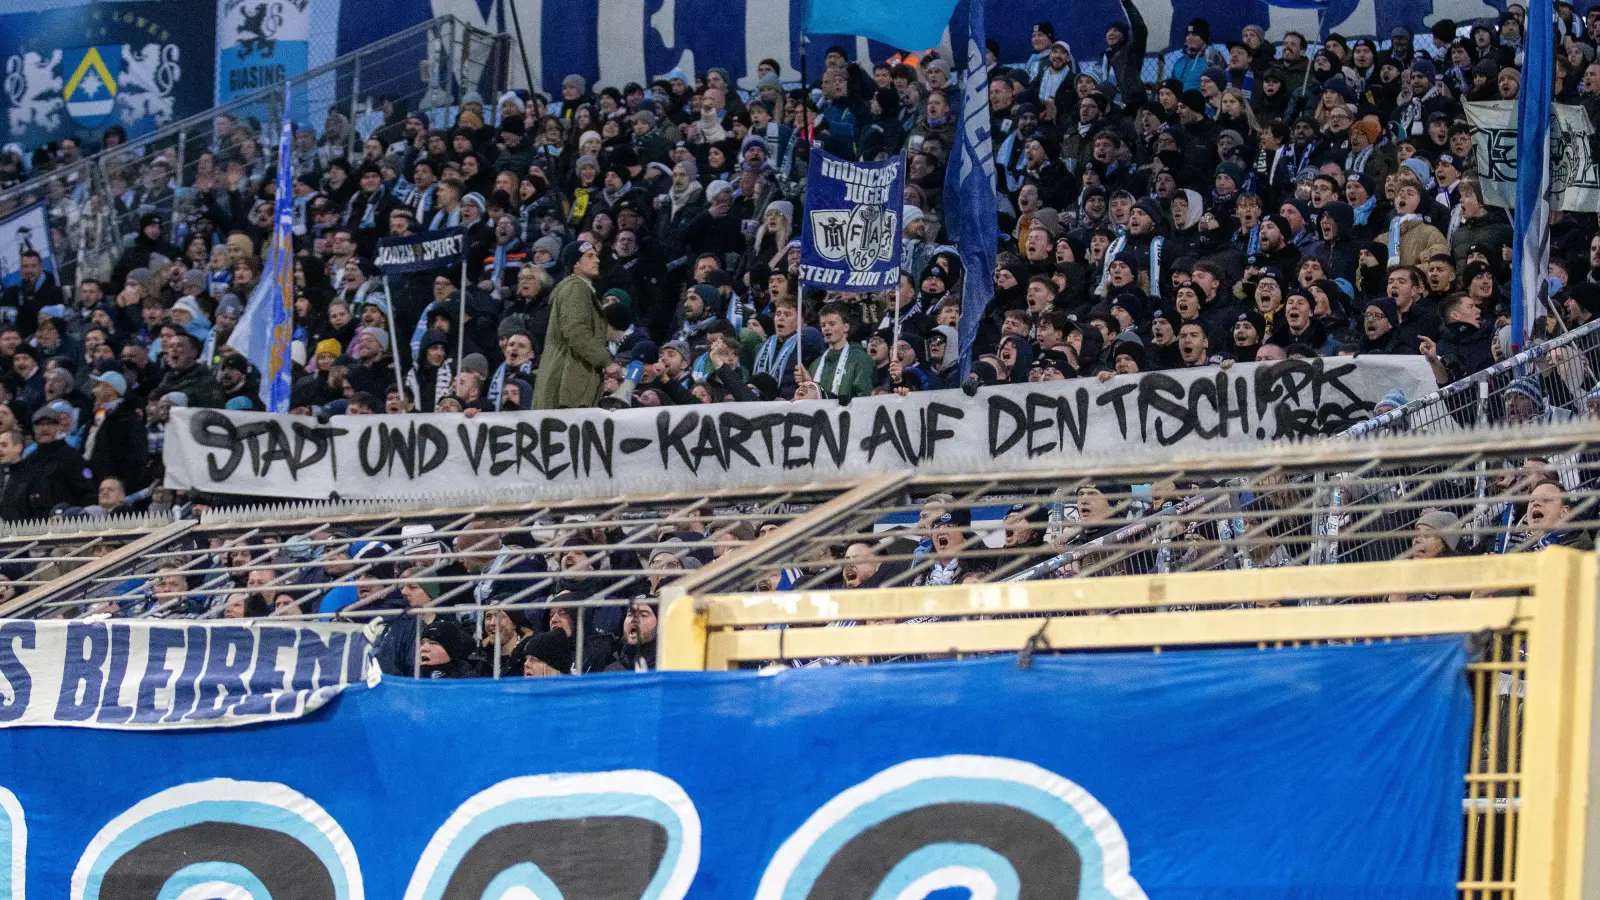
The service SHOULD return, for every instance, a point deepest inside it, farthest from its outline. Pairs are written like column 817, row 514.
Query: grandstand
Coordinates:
column 94, row 204
column 1358, row 660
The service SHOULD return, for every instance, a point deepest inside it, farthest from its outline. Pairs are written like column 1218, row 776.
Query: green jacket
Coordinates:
column 856, row 380
column 575, row 351
column 197, row 384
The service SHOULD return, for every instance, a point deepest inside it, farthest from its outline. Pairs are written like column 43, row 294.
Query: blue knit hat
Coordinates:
column 1392, row 400
column 1528, row 386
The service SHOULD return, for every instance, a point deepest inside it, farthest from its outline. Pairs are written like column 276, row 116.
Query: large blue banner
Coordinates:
column 851, row 238
column 1329, row 772
column 78, row 70
column 617, row 41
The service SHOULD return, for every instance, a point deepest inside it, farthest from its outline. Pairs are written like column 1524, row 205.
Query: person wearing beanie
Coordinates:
column 1381, row 327
column 884, row 135
column 1121, row 61
column 1582, row 303
column 1057, row 73
column 1525, row 401
column 1437, row 535
column 1248, row 334
column 373, row 372
column 1145, row 248
column 1362, row 157
column 574, row 94
column 575, row 352
column 432, row 373
column 369, row 211
column 1039, row 42
column 549, row 654
column 1189, row 62
column 445, row 650
column 476, row 364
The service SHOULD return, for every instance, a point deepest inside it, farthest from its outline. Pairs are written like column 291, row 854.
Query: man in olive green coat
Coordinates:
column 575, row 350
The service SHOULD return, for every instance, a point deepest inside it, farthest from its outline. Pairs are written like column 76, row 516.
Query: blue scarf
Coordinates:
column 369, row 216
column 1394, row 233
column 1364, row 211
column 772, row 361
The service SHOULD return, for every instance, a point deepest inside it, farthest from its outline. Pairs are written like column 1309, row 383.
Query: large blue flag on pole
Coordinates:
column 969, row 194
column 1530, row 265
column 265, row 330
column 889, row 22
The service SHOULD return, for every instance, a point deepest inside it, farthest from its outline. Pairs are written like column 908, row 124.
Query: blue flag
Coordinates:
column 885, row 21
column 969, row 190
column 265, row 330
column 1530, row 265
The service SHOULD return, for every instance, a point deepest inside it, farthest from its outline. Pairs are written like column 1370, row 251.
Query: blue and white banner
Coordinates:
column 1530, row 263
column 264, row 332
column 423, row 252
column 969, row 189
column 851, row 238
column 618, row 41
column 76, row 70
column 260, row 44
column 24, row 230
column 1574, row 176
column 1307, row 772
column 146, row 676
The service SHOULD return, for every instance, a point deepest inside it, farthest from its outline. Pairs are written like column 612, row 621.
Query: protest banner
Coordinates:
column 144, row 675
column 851, row 238
column 1574, row 174
column 1305, row 772
column 592, row 453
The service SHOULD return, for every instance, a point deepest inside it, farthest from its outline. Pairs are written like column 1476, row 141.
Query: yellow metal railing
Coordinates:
column 1526, row 803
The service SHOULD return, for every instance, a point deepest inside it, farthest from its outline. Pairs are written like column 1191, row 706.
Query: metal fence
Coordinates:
column 1451, row 494
column 94, row 205
column 577, row 566
column 1564, row 370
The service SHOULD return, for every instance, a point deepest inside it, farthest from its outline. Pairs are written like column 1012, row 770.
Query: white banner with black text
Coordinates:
column 592, row 453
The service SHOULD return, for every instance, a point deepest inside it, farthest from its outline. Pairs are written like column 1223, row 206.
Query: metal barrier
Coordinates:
column 1291, row 505
column 366, row 562
column 94, row 204
column 1566, row 368
column 1534, row 616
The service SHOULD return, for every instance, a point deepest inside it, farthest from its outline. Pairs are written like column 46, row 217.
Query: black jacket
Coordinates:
column 1466, row 349
column 53, row 473
column 27, row 301
column 121, row 448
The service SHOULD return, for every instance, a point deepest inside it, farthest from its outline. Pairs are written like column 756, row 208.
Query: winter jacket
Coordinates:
column 575, row 353
column 53, row 473
column 119, row 446
column 1419, row 241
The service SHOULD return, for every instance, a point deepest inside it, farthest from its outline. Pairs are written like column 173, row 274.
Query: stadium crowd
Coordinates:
column 637, row 246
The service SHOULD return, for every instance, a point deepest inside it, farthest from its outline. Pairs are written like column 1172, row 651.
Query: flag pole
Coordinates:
column 394, row 340
column 461, row 308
